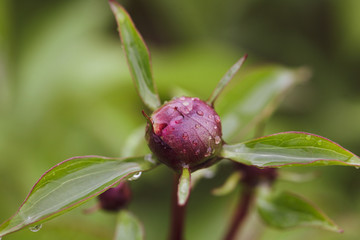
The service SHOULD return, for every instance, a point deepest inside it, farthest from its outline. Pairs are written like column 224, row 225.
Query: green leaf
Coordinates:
column 286, row 210
column 225, row 80
column 230, row 184
column 255, row 98
column 290, row 149
column 71, row 183
column 184, row 187
column 128, row 227
column 137, row 55
column 208, row 173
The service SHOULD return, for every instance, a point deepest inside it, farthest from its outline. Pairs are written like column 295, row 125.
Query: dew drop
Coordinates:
column 35, row 228
column 182, row 98
column 176, row 120
column 197, row 125
column 208, row 152
column 308, row 137
column 217, row 140
column 217, row 118
column 210, row 137
column 211, row 116
column 215, row 127
column 200, row 113
column 197, row 152
column 185, row 136
column 185, row 104
column 319, row 142
column 195, row 98
column 195, row 143
column 134, row 177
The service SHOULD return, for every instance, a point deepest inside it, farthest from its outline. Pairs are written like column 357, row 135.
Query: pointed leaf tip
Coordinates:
column 137, row 55
column 69, row 184
column 229, row 75
column 184, row 187
column 286, row 210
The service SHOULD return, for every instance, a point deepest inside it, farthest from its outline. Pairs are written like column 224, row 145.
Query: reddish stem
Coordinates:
column 241, row 212
column 177, row 214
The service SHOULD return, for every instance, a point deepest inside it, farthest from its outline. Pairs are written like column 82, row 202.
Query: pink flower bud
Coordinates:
column 185, row 133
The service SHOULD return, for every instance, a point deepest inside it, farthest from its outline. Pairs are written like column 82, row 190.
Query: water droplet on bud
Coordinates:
column 195, row 143
column 211, row 116
column 217, row 119
column 200, row 113
column 319, row 142
column 217, row 140
column 134, row 177
column 208, row 152
column 197, row 126
column 185, row 136
column 182, row 98
column 197, row 152
column 35, row 228
column 186, row 104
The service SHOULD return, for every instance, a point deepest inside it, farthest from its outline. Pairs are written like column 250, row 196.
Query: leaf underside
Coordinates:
column 184, row 187
column 290, row 149
column 71, row 183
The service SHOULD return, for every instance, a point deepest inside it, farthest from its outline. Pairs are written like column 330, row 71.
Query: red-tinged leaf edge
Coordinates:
column 56, row 213
column 113, row 5
column 313, row 163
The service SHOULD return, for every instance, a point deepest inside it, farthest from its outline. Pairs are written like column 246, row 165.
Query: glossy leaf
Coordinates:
column 128, row 227
column 137, row 55
column 286, row 210
column 290, row 149
column 224, row 81
column 184, row 187
column 71, row 183
column 255, row 98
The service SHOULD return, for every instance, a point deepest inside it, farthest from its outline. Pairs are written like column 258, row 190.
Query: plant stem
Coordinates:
column 241, row 212
column 177, row 214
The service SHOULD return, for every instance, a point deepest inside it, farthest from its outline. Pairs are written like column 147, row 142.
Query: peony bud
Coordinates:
column 185, row 133
column 116, row 198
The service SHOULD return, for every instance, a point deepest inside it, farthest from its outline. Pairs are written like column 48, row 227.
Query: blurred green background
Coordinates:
column 65, row 90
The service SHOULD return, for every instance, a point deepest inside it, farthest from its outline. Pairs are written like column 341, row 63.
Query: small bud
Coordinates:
column 116, row 198
column 185, row 133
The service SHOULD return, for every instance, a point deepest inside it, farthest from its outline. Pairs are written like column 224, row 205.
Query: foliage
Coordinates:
column 291, row 148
